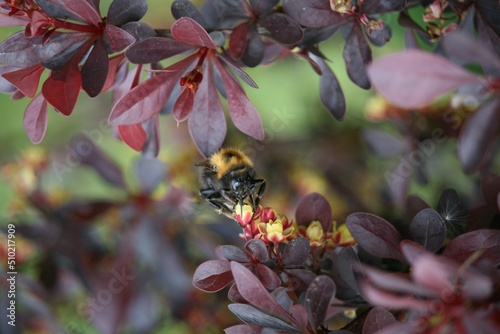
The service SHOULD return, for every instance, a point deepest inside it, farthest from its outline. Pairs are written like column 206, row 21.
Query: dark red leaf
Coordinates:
column 463, row 246
column 428, row 229
column 377, row 319
column 314, row 207
column 238, row 71
column 296, row 252
column 244, row 115
column 207, row 123
column 317, row 300
column 95, row 69
column 477, row 137
column 19, row 51
column 116, row 72
column 123, row 11
column 490, row 187
column 212, row 276
column 133, row 135
column 154, row 49
column 238, row 41
column 414, row 78
column 255, row 293
column 312, row 13
column 258, row 250
column 489, row 11
column 282, row 28
column 117, row 39
column 146, row 100
column 357, row 55
column 375, row 235
column 139, row 30
column 331, row 93
column 62, row 87
column 184, row 105
column 81, row 9
column 35, row 119
column 253, row 316
column 26, row 79
column 189, row 31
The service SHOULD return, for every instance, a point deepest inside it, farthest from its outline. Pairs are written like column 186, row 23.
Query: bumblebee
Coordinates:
column 227, row 178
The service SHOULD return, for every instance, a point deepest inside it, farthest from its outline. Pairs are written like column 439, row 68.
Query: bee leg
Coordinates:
column 215, row 200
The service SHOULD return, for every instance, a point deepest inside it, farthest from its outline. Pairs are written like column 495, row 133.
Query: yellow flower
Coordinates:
column 274, row 231
column 244, row 214
column 315, row 233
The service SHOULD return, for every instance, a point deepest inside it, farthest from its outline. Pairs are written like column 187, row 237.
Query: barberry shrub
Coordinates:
column 414, row 268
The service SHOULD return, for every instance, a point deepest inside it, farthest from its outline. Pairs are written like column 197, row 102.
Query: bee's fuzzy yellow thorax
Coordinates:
column 227, row 159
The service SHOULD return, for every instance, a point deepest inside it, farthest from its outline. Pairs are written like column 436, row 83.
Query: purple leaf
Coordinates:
column 465, row 245
column 331, row 92
column 314, row 207
column 466, row 48
column 477, row 137
column 123, row 11
column 382, row 6
column 375, row 235
column 255, row 293
column 357, row 54
column 233, row 253
column 254, row 50
column 413, row 78
column 240, row 329
column 212, row 276
column 117, row 39
column 89, row 154
column 428, row 229
column 260, row 7
column 312, row 13
column 317, row 300
column 139, row 30
column 154, row 49
column 267, row 276
column 207, row 123
column 244, row 115
column 150, row 172
column 345, row 261
column 81, row 9
column 253, row 316
column 258, row 250
column 296, row 252
column 19, row 51
column 146, row 100
column 379, row 37
column 95, row 69
column 377, row 319
column 35, row 119
column 282, row 28
column 185, row 8
column 60, row 48
column 189, row 31
column 238, row 71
